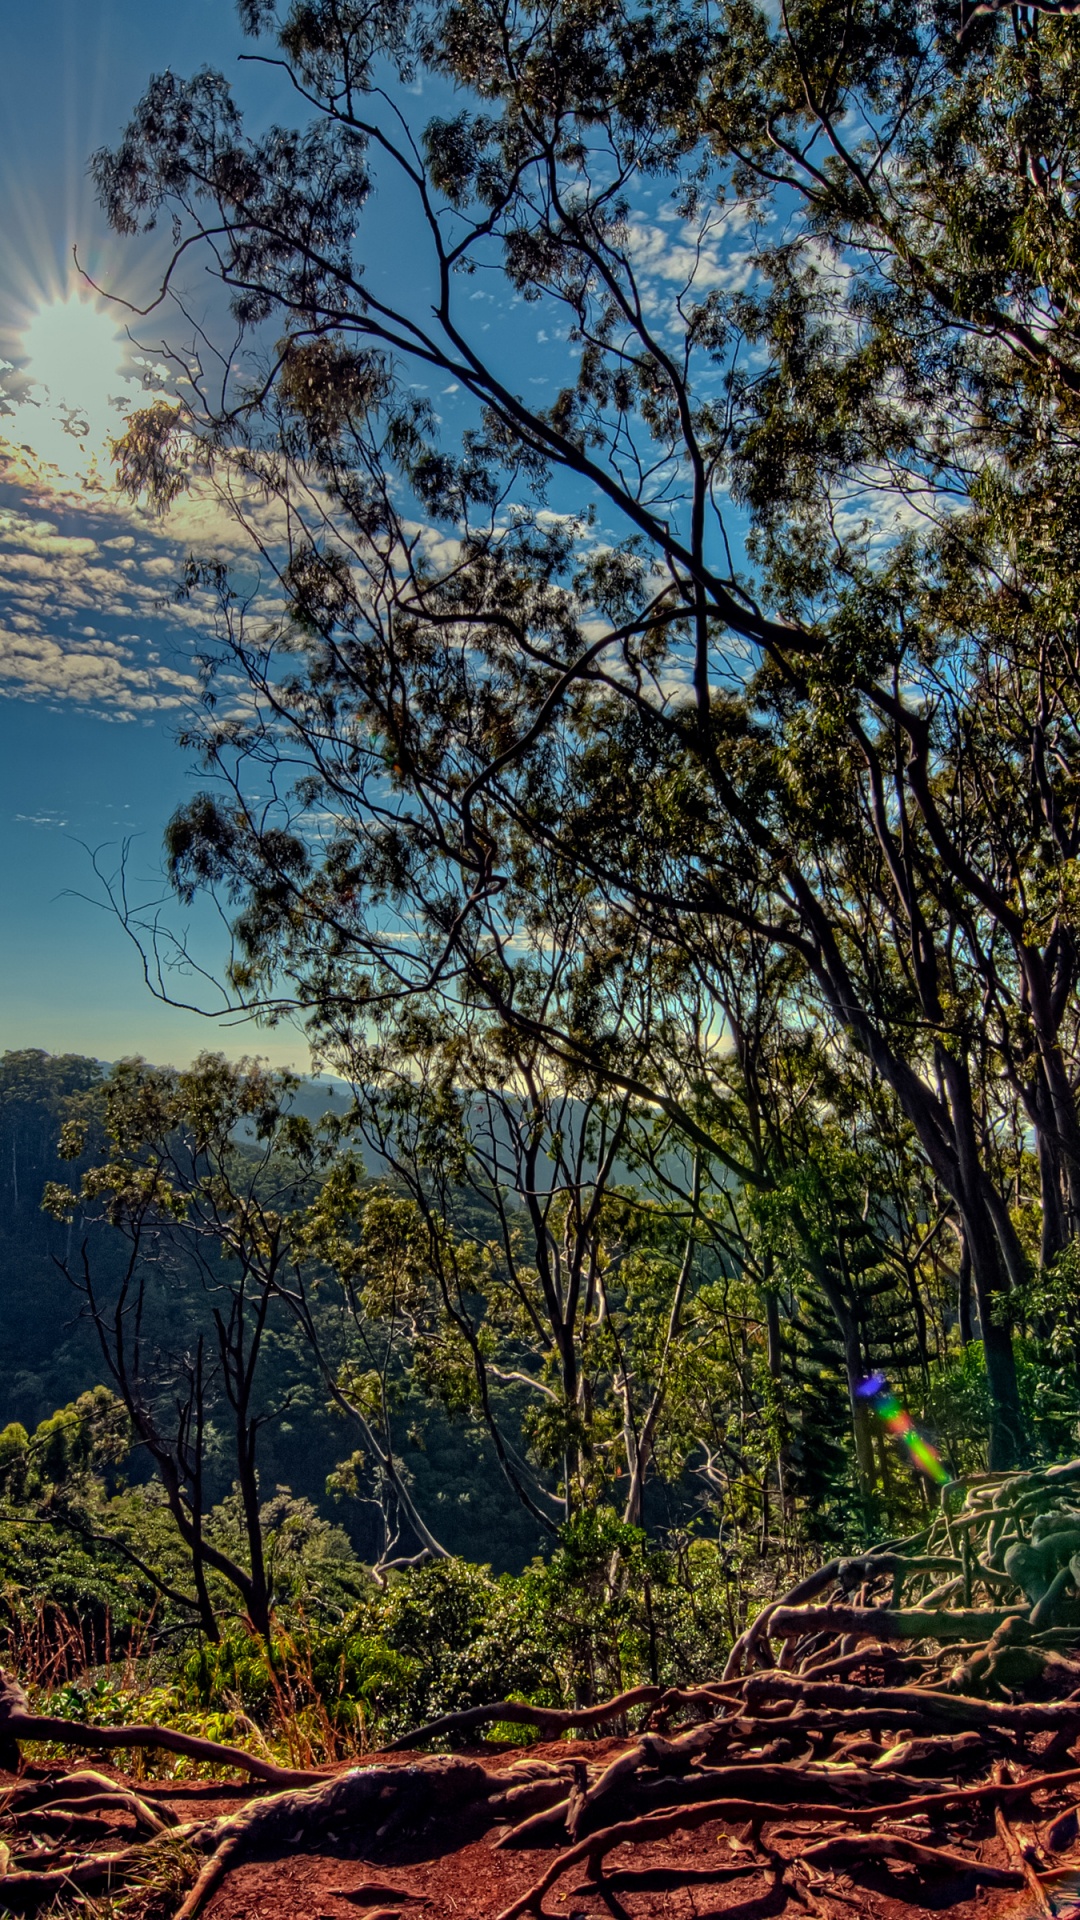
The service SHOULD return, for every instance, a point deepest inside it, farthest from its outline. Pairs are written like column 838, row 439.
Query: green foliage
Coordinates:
column 851, row 848
column 957, row 1408
column 731, row 1055
column 615, row 1611
column 605, row 1611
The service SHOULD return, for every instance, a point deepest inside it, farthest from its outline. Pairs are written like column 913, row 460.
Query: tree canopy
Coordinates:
column 647, row 766
column 696, row 730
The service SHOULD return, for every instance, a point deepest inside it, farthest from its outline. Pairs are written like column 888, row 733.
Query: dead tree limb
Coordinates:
column 18, row 1723
column 548, row 1721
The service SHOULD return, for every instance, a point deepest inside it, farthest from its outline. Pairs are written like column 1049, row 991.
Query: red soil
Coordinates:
column 687, row 1877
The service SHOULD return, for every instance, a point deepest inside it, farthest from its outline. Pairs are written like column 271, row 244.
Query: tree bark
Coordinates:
column 963, row 1293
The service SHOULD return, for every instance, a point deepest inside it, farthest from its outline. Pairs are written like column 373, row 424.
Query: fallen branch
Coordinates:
column 18, row 1723
column 548, row 1721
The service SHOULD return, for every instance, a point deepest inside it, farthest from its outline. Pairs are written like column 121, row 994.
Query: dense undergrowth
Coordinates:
column 603, row 1612
column 354, row 1661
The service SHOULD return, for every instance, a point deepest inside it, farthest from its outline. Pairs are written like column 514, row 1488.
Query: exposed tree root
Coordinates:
column 373, row 1800
column 548, row 1721
column 886, row 1623
column 817, row 1719
column 846, row 1848
column 1021, row 1849
column 72, row 1803
column 656, row 1826
column 20, row 1889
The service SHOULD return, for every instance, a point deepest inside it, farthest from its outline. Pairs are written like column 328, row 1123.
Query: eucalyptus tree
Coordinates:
column 186, row 1322
column 552, row 1298
column 758, row 624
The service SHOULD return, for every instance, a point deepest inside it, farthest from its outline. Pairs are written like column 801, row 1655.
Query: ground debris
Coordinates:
column 831, row 1765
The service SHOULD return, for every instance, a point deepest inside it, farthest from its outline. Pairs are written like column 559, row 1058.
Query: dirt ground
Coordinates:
column 712, row 1872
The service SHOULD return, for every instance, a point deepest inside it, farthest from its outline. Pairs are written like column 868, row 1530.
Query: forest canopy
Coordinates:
column 643, row 763
column 649, row 777
column 694, row 735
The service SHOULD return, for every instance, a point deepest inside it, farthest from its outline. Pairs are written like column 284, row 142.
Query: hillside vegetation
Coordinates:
column 646, row 771
column 293, row 1443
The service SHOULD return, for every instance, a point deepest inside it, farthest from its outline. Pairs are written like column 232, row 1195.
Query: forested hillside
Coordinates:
column 650, row 782
column 537, row 1308
column 53, row 1352
column 48, row 1358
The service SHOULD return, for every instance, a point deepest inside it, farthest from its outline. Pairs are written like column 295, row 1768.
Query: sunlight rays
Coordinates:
column 65, row 392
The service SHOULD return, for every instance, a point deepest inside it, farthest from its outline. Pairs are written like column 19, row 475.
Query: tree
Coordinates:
column 204, row 1169
column 851, row 743
column 510, row 1267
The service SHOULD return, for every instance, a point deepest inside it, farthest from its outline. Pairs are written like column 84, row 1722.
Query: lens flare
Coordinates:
column 898, row 1422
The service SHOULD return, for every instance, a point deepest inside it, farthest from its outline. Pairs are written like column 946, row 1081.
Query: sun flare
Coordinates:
column 67, row 396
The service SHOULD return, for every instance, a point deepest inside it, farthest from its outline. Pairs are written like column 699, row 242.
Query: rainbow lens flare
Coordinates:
column 898, row 1422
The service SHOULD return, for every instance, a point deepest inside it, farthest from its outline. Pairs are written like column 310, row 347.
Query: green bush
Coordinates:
column 604, row 1612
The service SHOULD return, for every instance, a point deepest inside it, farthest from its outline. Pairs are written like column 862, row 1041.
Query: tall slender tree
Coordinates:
column 717, row 630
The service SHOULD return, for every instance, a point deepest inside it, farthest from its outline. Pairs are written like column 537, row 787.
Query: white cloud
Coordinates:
column 86, row 611
column 690, row 260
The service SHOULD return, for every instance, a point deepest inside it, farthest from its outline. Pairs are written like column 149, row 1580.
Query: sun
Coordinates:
column 67, row 395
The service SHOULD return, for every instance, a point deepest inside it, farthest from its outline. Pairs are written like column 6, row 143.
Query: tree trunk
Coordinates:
column 1049, row 991
column 963, row 1293
column 259, row 1592
column 1007, row 1438
column 989, row 1234
column 776, row 1373
column 1054, row 1236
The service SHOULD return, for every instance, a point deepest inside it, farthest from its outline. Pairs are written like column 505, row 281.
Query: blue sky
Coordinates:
column 96, row 671
column 93, row 669
column 95, row 666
